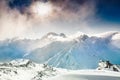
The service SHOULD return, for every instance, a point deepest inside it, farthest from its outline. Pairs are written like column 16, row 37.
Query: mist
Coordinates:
column 67, row 16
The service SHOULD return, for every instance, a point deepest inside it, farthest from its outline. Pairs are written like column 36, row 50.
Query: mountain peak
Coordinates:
column 53, row 35
column 109, row 34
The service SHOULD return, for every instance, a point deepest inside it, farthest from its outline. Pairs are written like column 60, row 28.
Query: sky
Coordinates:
column 35, row 18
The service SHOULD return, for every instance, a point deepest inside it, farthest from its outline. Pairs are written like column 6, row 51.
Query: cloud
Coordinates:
column 12, row 22
column 18, row 20
column 20, row 5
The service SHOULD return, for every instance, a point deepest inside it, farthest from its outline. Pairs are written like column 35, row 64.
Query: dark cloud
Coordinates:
column 19, row 4
column 105, row 9
column 71, row 5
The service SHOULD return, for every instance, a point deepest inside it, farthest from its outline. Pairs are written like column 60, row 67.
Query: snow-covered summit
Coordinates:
column 108, row 34
column 81, row 50
column 59, row 50
column 54, row 36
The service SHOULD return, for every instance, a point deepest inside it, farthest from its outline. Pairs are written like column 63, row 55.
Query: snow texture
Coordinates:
column 22, row 69
column 63, row 51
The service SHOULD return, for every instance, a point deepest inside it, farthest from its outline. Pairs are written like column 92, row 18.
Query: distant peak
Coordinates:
column 52, row 33
column 108, row 34
column 79, row 35
column 55, row 34
column 62, row 35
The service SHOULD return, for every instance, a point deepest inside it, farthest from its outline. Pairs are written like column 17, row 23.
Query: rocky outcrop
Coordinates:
column 106, row 65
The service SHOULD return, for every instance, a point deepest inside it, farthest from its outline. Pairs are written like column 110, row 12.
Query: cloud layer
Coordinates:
column 17, row 18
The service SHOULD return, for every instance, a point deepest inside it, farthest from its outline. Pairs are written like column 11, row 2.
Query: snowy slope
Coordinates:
column 25, row 70
column 80, row 50
column 22, row 69
column 60, row 50
column 87, row 75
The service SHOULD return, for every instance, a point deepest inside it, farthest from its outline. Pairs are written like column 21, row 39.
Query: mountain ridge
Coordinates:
column 79, row 49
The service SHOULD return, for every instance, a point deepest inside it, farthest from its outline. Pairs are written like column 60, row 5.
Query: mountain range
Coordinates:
column 77, row 51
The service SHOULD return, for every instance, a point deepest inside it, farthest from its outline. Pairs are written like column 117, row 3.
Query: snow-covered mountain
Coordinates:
column 80, row 50
column 25, row 70
column 22, row 69
column 77, row 51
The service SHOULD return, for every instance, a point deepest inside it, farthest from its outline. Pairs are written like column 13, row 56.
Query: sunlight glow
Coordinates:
column 42, row 9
